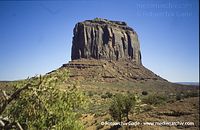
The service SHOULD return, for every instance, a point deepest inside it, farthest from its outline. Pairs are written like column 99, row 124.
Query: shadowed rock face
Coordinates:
column 104, row 39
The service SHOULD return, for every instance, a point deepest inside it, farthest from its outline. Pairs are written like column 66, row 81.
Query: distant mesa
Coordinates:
column 104, row 39
column 108, row 51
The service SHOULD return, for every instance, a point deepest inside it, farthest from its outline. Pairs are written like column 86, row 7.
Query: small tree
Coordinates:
column 116, row 108
column 122, row 105
column 129, row 103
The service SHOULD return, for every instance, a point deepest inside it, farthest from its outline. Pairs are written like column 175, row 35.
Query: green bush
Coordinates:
column 97, row 19
column 179, row 96
column 144, row 93
column 155, row 99
column 190, row 94
column 90, row 94
column 186, row 94
column 46, row 106
column 121, row 106
column 107, row 95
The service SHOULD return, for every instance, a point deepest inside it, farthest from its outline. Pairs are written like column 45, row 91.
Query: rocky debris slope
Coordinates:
column 108, row 71
column 104, row 39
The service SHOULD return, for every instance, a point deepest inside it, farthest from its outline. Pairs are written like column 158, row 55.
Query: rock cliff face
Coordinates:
column 104, row 39
column 107, row 51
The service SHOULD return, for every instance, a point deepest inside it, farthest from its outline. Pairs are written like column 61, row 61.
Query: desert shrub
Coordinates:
column 147, row 108
column 121, row 106
column 107, row 95
column 179, row 96
column 103, row 96
column 155, row 99
column 188, row 94
column 144, row 93
column 171, row 100
column 90, row 93
column 44, row 106
column 175, row 113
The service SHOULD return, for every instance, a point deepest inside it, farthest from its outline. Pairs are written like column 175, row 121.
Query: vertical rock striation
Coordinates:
column 104, row 39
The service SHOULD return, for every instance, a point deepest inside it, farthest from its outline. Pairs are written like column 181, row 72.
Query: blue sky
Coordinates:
column 36, row 36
